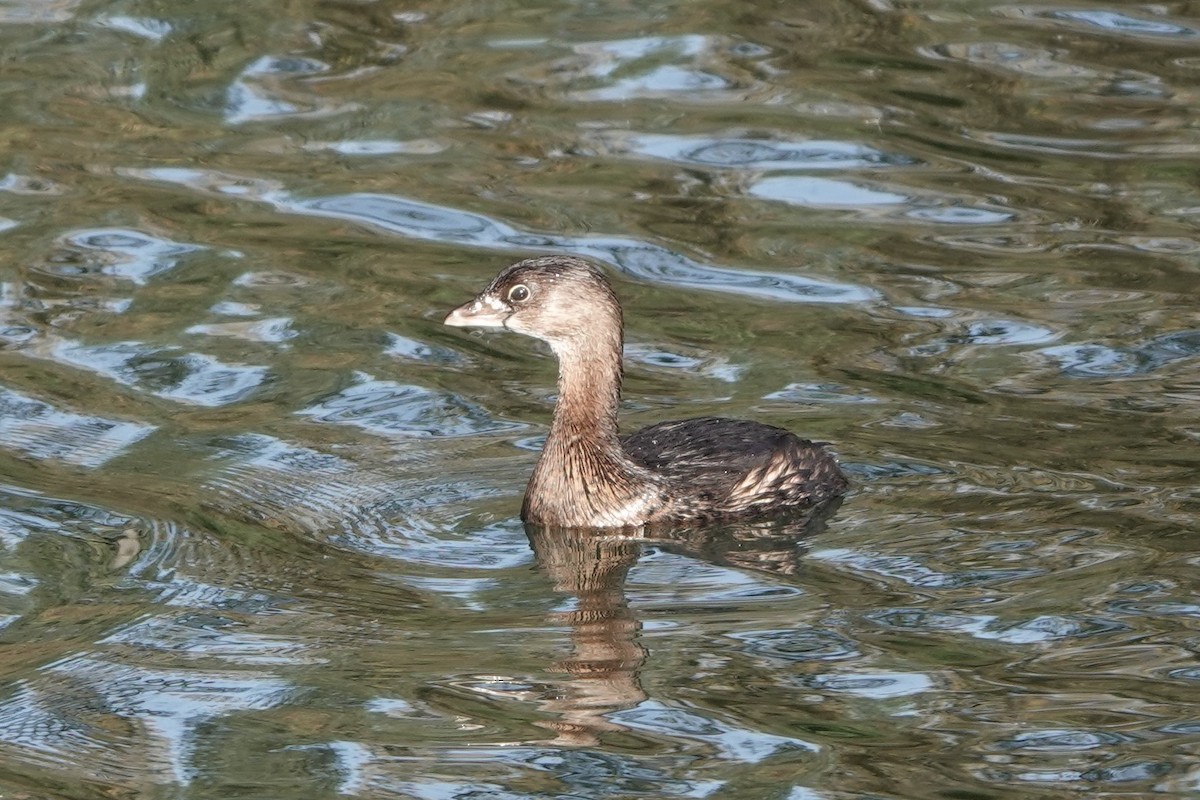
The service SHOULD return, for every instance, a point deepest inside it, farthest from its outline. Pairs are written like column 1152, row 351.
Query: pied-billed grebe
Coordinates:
column 588, row 476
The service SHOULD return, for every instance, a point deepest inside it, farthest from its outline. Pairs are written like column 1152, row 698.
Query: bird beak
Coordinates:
column 477, row 314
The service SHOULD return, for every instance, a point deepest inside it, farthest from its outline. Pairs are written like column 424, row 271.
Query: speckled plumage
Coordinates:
column 682, row 471
column 735, row 467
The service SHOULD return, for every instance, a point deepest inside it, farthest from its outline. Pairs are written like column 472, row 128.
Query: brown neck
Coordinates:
column 584, row 478
column 589, row 393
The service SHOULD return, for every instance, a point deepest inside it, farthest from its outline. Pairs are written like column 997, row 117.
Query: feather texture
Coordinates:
column 684, row 471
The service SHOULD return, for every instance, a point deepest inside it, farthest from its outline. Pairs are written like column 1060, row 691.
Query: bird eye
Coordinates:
column 518, row 293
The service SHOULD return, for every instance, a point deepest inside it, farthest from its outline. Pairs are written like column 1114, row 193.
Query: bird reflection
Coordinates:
column 592, row 566
column 605, row 657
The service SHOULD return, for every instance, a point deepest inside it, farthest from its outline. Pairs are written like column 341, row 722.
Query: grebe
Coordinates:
column 673, row 472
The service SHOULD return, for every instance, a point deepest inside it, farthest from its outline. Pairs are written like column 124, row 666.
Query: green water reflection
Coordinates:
column 258, row 507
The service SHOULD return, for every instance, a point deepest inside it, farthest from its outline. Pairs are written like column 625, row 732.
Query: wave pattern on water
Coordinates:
column 418, row 220
column 41, row 431
column 258, row 507
column 391, row 409
column 128, row 254
column 193, row 378
column 169, row 705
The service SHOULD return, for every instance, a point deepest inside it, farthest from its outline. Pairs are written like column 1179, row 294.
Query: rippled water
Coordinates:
column 258, row 507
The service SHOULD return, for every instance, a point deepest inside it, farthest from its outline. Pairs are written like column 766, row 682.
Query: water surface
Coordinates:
column 258, row 530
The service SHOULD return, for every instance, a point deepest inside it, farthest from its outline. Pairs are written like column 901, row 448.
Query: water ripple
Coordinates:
column 229, row 308
column 417, row 220
column 380, row 147
column 38, row 12
column 1060, row 741
column 877, row 200
column 756, row 154
column 196, row 637
column 378, row 769
column 145, row 27
column 1075, row 146
column 1102, row 361
column 55, row 715
column 700, row 364
column 914, row 573
column 666, row 80
column 43, row 432
column 872, row 685
column 1045, row 628
column 1004, row 331
column 306, row 575
column 821, row 393
column 1028, row 61
column 402, row 511
column 285, row 485
column 499, row 546
column 30, row 522
column 28, row 185
column 1122, row 24
column 669, row 580
column 628, row 69
column 810, row 644
column 119, row 252
column 191, row 378
column 392, row 409
column 264, row 91
column 274, row 330
column 403, row 347
column 730, row 742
